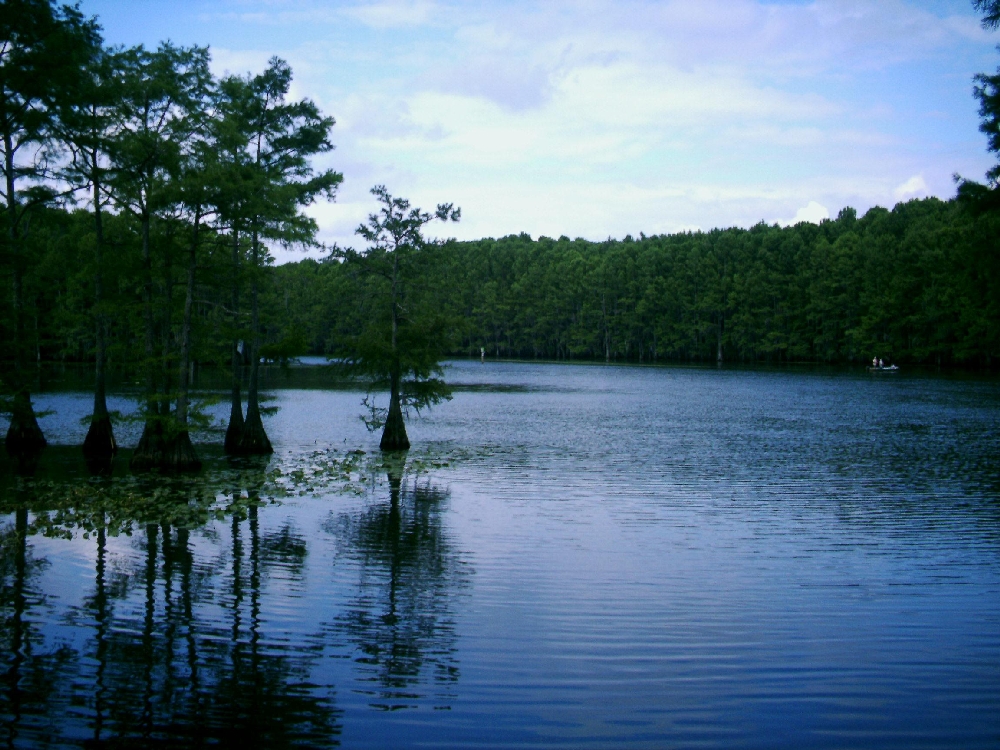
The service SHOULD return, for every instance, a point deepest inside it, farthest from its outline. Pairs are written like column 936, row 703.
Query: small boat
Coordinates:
column 884, row 368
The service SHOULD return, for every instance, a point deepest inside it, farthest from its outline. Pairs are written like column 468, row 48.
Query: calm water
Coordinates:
column 577, row 556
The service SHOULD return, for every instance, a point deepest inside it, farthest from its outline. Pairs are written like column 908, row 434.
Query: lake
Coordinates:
column 571, row 556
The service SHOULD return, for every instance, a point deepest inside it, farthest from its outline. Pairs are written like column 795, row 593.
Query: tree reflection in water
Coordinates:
column 175, row 653
column 32, row 669
column 401, row 624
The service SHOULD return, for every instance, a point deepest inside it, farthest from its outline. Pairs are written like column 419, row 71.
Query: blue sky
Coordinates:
column 606, row 117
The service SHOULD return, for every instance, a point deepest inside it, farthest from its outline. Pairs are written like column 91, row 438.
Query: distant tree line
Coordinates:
column 917, row 284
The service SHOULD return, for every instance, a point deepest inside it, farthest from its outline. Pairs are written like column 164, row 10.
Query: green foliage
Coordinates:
column 919, row 283
column 974, row 196
column 291, row 345
column 991, row 12
column 398, row 332
column 178, row 171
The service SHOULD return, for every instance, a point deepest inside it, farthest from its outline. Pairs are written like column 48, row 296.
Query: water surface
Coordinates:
column 578, row 556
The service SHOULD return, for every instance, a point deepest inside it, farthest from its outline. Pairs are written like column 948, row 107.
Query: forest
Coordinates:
column 917, row 284
column 142, row 196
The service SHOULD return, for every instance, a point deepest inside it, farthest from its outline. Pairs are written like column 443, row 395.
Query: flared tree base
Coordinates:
column 150, row 453
column 394, row 435
column 254, row 440
column 99, row 445
column 179, row 454
column 234, row 432
column 24, row 436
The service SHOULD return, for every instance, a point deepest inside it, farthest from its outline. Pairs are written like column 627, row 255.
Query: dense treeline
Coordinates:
column 920, row 283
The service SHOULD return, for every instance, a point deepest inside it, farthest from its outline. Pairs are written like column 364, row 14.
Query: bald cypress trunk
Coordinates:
column 180, row 454
column 236, row 423
column 24, row 436
column 99, row 446
column 254, row 440
column 149, row 452
column 394, row 435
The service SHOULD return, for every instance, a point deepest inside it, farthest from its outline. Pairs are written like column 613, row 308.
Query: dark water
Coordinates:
column 574, row 556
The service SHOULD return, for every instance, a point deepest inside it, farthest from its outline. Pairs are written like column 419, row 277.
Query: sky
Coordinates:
column 602, row 118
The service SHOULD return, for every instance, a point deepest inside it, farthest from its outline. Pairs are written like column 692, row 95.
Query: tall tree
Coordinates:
column 164, row 102
column 89, row 126
column 404, row 338
column 234, row 178
column 43, row 50
column 198, row 198
column 281, row 138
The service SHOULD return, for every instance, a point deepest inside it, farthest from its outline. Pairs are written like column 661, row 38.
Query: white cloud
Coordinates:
column 238, row 62
column 383, row 15
column 912, row 188
column 608, row 117
column 813, row 212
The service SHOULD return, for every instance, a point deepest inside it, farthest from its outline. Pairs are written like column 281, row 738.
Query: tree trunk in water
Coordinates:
column 180, row 455
column 253, row 440
column 99, row 447
column 394, row 435
column 236, row 423
column 235, row 429
column 149, row 452
column 24, row 436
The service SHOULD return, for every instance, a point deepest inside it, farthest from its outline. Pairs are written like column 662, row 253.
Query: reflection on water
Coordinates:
column 570, row 556
column 400, row 622
column 166, row 648
column 182, row 635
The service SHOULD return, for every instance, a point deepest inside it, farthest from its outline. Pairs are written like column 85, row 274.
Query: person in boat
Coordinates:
column 874, row 361
column 880, row 364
